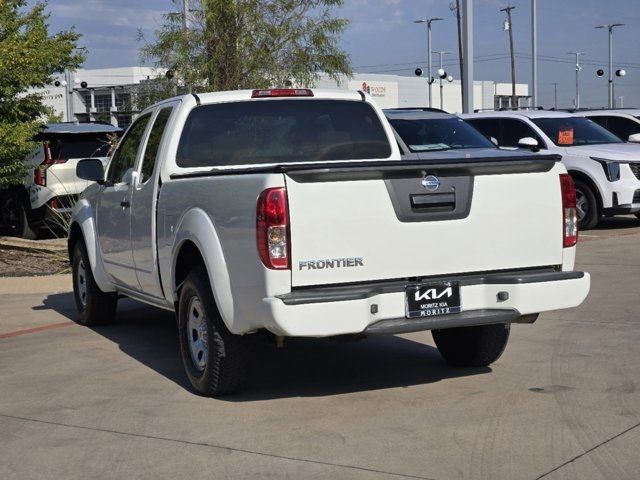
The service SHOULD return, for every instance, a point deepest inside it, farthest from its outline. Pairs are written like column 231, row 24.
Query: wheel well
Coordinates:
column 585, row 178
column 189, row 257
column 19, row 191
column 75, row 234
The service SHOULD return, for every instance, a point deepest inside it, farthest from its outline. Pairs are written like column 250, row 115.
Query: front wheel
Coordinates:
column 586, row 205
column 477, row 346
column 215, row 360
column 95, row 307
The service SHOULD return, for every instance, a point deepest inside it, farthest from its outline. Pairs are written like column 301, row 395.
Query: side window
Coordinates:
column 125, row 156
column 513, row 130
column 602, row 121
column 153, row 144
column 489, row 127
column 623, row 127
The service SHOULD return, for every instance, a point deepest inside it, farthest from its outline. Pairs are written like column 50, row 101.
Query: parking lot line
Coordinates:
column 27, row 331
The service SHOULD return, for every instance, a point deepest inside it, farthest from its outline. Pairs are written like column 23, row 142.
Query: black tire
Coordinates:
column 588, row 216
column 225, row 365
column 477, row 346
column 14, row 220
column 95, row 307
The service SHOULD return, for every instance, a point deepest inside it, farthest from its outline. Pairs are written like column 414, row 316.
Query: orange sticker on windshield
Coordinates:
column 565, row 137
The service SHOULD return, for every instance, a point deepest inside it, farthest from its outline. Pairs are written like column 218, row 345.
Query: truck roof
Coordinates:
column 238, row 95
column 74, row 127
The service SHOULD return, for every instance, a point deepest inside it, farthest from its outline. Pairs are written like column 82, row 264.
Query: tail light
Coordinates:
column 40, row 172
column 272, row 229
column 282, row 92
column 569, row 211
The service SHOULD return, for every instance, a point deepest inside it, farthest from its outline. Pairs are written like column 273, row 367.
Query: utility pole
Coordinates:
column 455, row 7
column 509, row 26
column 440, row 55
column 534, row 54
column 610, row 27
column 428, row 22
column 555, row 95
column 576, row 102
column 467, row 71
column 185, row 12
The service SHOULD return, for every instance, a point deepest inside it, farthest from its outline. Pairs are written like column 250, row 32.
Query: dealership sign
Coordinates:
column 385, row 94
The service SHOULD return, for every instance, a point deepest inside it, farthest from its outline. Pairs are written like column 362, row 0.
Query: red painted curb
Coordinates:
column 27, row 331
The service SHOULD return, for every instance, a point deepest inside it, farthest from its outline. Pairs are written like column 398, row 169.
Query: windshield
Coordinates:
column 84, row 145
column 573, row 131
column 429, row 134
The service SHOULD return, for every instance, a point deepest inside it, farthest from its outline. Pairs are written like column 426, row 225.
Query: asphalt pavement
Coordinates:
column 113, row 402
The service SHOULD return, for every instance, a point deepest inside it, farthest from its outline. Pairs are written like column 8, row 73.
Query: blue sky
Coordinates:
column 382, row 38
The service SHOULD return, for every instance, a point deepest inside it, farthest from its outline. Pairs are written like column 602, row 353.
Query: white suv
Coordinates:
column 605, row 169
column 51, row 186
column 623, row 122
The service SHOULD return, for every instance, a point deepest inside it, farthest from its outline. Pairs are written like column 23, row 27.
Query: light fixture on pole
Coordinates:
column 442, row 75
column 428, row 21
column 610, row 27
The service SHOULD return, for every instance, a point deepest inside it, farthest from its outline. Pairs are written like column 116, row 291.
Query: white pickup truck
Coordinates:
column 290, row 211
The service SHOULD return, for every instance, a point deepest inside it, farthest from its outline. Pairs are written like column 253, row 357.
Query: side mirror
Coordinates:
column 494, row 140
column 90, row 169
column 530, row 143
column 635, row 138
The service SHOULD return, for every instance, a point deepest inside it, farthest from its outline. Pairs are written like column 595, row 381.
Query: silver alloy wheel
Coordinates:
column 81, row 282
column 582, row 205
column 197, row 333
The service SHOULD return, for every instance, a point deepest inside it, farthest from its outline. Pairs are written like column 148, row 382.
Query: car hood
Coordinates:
column 622, row 152
column 469, row 153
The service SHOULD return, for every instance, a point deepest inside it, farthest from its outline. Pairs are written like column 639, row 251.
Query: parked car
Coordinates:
column 605, row 169
column 431, row 133
column 291, row 211
column 624, row 123
column 51, row 186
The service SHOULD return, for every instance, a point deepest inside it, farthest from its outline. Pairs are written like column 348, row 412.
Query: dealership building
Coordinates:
column 104, row 94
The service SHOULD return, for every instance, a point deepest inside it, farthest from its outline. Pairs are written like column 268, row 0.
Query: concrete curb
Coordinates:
column 36, row 284
column 54, row 245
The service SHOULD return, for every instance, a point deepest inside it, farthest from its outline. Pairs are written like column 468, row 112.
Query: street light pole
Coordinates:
column 576, row 102
column 610, row 27
column 467, row 74
column 440, row 55
column 534, row 54
column 555, row 95
column 428, row 22
column 514, row 101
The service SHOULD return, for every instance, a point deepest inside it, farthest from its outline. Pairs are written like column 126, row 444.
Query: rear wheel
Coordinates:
column 477, row 346
column 95, row 307
column 14, row 221
column 586, row 205
column 215, row 360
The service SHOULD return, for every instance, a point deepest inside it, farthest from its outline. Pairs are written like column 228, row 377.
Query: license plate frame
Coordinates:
column 432, row 299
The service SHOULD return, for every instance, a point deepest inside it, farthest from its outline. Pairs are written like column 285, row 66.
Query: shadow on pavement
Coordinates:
column 615, row 223
column 305, row 367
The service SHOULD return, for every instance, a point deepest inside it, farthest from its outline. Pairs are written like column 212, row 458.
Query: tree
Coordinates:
column 29, row 57
column 231, row 44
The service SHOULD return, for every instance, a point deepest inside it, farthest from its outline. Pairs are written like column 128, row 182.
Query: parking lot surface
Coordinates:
column 113, row 402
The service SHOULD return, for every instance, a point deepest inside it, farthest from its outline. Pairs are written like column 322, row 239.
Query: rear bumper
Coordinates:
column 380, row 307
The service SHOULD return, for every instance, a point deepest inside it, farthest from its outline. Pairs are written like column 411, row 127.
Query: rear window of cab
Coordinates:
column 281, row 131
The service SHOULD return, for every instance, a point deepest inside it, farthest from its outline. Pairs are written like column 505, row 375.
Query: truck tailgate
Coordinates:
column 367, row 224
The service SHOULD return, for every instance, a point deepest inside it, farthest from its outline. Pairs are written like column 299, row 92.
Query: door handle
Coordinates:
column 125, row 204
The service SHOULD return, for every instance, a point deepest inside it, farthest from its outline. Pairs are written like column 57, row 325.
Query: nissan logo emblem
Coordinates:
column 431, row 183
